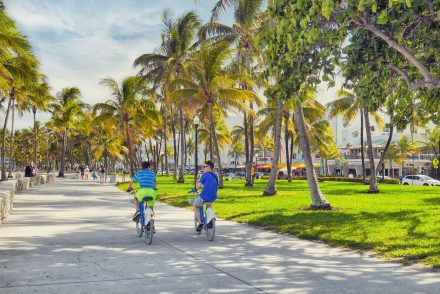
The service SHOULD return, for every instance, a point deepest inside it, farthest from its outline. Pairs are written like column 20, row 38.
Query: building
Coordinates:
column 349, row 144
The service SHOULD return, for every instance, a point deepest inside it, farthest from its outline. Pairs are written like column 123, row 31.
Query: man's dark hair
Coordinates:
column 146, row 164
column 210, row 163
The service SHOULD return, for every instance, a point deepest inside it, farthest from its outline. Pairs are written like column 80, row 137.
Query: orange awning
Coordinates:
column 303, row 165
column 280, row 165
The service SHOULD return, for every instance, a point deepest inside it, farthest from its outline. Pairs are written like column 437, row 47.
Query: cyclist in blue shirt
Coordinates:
column 208, row 195
column 147, row 186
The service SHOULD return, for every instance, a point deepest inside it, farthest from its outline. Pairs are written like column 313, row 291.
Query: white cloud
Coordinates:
column 79, row 44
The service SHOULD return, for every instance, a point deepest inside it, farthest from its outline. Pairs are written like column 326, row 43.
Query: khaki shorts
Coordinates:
column 199, row 201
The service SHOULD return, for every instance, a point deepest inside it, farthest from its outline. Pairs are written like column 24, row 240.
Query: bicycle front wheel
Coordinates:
column 210, row 230
column 195, row 226
column 149, row 232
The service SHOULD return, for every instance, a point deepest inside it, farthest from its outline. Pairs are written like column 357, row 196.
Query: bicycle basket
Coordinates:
column 131, row 200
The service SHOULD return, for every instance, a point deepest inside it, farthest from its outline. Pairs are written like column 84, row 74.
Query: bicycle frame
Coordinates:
column 207, row 214
column 146, row 214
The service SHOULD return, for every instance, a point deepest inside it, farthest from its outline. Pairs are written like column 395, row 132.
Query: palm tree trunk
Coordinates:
column 438, row 167
column 373, row 179
column 186, row 152
column 286, row 142
column 147, row 153
column 11, row 140
column 211, row 153
column 270, row 188
column 248, row 164
column 130, row 155
column 175, row 149
column 291, row 155
column 165, row 142
column 182, row 146
column 48, row 164
column 5, row 125
column 34, row 110
column 391, row 173
column 412, row 153
column 217, row 149
column 63, row 154
column 156, row 158
column 151, row 150
column 105, row 161
column 387, row 145
column 318, row 200
column 252, row 144
column 362, row 145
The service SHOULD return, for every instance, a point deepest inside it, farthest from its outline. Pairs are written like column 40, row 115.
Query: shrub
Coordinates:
column 350, row 180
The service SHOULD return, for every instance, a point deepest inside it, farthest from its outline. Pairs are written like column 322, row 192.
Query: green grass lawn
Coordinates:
column 401, row 222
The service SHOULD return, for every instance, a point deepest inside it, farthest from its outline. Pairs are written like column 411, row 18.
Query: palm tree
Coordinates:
column 343, row 164
column 432, row 141
column 209, row 86
column 15, row 52
column 169, row 63
column 127, row 107
column 392, row 156
column 17, row 68
column 39, row 99
column 348, row 105
column 204, row 134
column 326, row 152
column 405, row 147
column 107, row 141
column 67, row 111
column 242, row 35
column 236, row 150
column 23, row 72
column 264, row 143
column 317, row 129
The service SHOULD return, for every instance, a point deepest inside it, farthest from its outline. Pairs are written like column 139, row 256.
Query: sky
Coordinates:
column 80, row 42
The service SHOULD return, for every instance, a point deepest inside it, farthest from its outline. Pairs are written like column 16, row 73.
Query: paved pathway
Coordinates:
column 75, row 237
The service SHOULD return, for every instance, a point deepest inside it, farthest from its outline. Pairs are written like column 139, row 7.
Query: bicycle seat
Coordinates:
column 147, row 198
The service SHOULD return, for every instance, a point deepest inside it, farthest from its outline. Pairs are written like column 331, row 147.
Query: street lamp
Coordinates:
column 196, row 122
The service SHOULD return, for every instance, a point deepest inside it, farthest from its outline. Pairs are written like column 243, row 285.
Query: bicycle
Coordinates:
column 145, row 220
column 207, row 217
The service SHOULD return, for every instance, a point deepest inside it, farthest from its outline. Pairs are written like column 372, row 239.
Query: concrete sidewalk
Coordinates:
column 76, row 237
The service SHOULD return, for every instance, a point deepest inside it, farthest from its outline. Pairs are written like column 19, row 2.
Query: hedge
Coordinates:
column 352, row 180
column 341, row 179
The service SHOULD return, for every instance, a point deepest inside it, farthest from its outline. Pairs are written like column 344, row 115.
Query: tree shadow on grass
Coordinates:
column 359, row 231
column 433, row 201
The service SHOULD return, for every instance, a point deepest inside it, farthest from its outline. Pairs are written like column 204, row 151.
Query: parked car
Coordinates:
column 419, row 180
column 379, row 178
column 240, row 174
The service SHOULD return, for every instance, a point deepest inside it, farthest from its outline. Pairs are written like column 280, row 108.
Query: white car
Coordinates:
column 419, row 180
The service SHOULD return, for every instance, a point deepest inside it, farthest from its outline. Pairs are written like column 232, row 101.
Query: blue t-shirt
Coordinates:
column 146, row 178
column 210, row 186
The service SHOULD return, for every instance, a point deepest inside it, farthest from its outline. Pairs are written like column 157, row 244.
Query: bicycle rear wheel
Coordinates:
column 139, row 229
column 149, row 232
column 210, row 230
